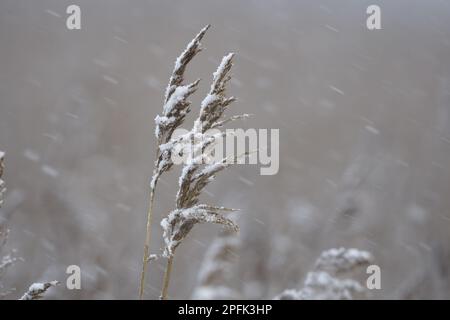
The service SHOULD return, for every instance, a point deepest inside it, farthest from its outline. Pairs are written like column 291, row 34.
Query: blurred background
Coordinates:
column 364, row 119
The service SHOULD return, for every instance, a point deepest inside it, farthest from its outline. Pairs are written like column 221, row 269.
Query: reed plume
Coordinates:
column 37, row 290
column 175, row 109
column 198, row 172
column 325, row 281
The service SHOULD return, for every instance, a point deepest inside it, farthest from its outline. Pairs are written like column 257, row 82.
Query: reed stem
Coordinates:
column 147, row 243
column 166, row 280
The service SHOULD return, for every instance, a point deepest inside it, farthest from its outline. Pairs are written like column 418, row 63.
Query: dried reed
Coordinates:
column 197, row 173
column 176, row 106
column 37, row 290
column 197, row 170
column 324, row 281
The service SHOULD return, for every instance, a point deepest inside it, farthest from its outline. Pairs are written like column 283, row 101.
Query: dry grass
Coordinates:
column 198, row 172
column 326, row 281
column 176, row 106
column 198, row 169
column 37, row 290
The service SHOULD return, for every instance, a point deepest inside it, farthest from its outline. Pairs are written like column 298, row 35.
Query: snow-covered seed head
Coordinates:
column 215, row 103
column 176, row 106
column 342, row 260
column 325, row 281
column 179, row 223
column 37, row 290
column 182, row 61
column 196, row 175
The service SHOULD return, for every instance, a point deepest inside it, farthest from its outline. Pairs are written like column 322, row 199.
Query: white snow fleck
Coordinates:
column 50, row 171
column 153, row 82
column 72, row 115
column 121, row 39
column 110, row 79
column 372, row 129
column 417, row 214
column 337, row 90
column 31, row 155
column 331, row 28
column 246, row 181
column 53, row 13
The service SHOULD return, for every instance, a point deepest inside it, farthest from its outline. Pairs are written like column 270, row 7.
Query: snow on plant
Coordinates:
column 175, row 109
column 320, row 285
column 324, row 283
column 197, row 174
column 215, row 103
column 341, row 260
column 37, row 290
column 8, row 259
column 197, row 171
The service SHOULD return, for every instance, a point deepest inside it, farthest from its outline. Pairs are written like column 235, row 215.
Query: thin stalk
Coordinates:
column 147, row 243
column 176, row 106
column 166, row 280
